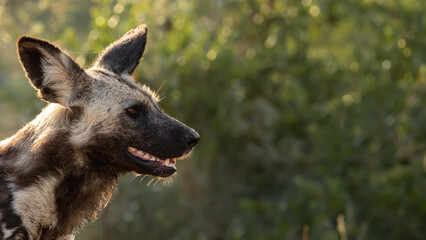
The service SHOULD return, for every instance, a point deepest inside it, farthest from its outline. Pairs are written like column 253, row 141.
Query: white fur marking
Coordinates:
column 67, row 237
column 7, row 232
column 36, row 205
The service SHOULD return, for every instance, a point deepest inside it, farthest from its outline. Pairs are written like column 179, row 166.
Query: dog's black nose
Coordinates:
column 191, row 138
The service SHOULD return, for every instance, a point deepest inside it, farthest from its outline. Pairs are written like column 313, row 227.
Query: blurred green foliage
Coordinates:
column 310, row 113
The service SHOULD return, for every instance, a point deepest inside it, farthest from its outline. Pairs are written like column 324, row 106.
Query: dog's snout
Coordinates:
column 191, row 138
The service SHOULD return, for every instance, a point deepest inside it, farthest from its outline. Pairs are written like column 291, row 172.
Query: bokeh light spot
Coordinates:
column 226, row 31
column 314, row 11
column 306, row 2
column 94, row 34
column 401, row 43
column 211, row 54
column 347, row 99
column 181, row 61
column 406, row 52
column 113, row 21
column 265, row 8
column 100, row 21
column 118, row 8
column 258, row 18
column 271, row 41
column 6, row 38
column 37, row 28
column 386, row 64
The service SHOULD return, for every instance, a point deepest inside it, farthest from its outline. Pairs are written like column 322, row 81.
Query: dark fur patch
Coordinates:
column 93, row 190
column 53, row 152
column 7, row 215
column 123, row 55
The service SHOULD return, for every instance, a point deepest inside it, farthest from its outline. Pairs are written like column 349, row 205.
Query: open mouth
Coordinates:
column 169, row 162
column 154, row 165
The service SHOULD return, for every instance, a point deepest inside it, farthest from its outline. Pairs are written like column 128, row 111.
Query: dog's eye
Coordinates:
column 133, row 111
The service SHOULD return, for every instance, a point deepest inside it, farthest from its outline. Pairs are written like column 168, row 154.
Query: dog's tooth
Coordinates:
column 140, row 152
column 152, row 158
column 132, row 149
column 167, row 162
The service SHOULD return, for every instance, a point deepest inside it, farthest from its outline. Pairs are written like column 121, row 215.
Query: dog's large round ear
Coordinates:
column 55, row 75
column 123, row 55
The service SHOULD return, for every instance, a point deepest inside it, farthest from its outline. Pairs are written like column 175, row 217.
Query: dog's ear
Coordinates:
column 51, row 71
column 123, row 55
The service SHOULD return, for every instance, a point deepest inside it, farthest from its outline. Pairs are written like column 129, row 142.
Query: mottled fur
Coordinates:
column 60, row 170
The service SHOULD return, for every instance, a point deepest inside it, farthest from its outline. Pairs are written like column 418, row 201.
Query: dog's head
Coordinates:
column 119, row 121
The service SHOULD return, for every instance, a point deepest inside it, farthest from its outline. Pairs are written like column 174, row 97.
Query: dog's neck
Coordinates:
column 52, row 187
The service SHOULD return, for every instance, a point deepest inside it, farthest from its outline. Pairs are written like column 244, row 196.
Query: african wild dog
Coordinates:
column 59, row 170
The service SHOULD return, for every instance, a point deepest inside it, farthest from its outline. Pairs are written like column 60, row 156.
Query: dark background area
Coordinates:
column 310, row 112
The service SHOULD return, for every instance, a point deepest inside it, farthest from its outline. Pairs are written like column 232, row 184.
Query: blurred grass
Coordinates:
column 310, row 113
